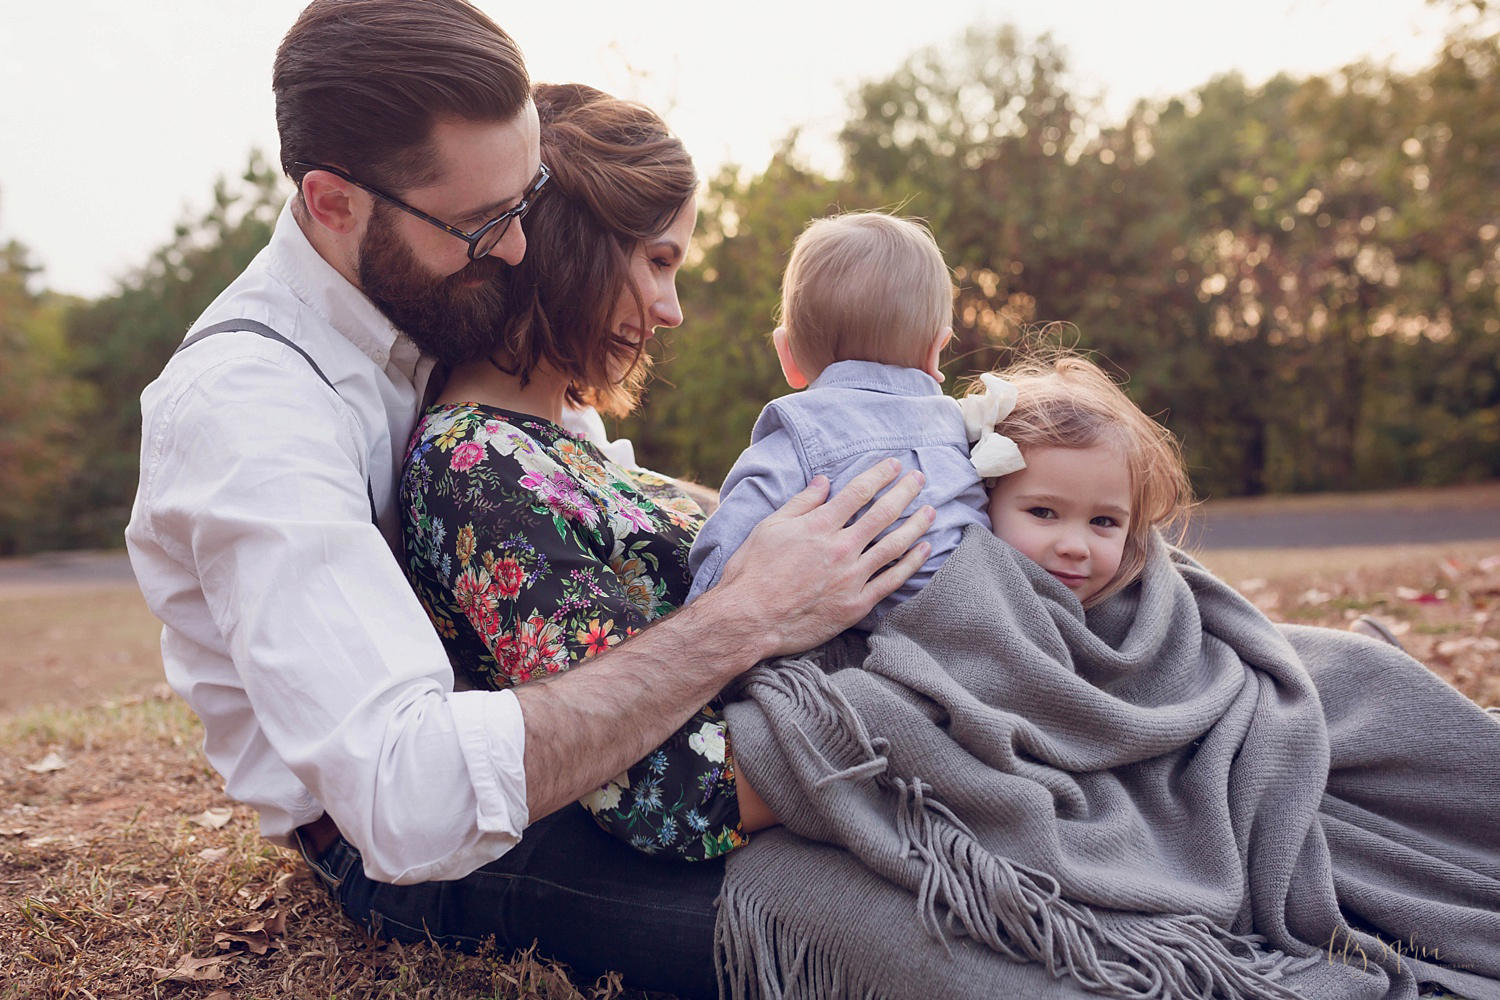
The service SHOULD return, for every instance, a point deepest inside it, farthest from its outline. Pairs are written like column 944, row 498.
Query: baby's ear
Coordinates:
column 794, row 376
column 939, row 341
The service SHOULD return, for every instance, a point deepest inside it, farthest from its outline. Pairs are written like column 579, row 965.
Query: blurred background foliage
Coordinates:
column 1302, row 279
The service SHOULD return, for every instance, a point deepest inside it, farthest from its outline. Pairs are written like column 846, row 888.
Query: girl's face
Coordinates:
column 1069, row 512
column 653, row 275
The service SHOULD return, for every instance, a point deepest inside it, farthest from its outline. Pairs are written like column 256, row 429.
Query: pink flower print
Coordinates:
column 561, row 496
column 638, row 518
column 466, row 456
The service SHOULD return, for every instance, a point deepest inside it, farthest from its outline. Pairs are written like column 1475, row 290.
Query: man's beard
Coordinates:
column 446, row 318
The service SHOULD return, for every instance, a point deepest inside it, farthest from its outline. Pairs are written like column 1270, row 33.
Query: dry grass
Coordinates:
column 119, row 881
column 1442, row 601
column 114, row 881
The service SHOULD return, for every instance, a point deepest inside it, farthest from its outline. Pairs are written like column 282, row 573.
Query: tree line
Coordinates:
column 1301, row 278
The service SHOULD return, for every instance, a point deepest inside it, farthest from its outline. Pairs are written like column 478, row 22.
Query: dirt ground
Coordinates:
column 125, row 871
column 77, row 644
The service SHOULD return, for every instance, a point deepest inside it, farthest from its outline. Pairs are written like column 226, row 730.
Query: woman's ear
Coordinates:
column 939, row 342
column 789, row 368
column 330, row 202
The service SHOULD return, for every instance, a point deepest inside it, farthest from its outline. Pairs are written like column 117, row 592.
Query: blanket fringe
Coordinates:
column 759, row 957
column 1018, row 912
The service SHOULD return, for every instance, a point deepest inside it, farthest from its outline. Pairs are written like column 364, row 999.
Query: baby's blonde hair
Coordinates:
column 865, row 286
column 1064, row 400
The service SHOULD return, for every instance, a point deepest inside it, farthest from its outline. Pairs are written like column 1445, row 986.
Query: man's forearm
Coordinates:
column 804, row 574
column 585, row 726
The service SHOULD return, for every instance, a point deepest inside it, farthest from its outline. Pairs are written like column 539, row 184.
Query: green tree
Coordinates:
column 38, row 400
column 122, row 341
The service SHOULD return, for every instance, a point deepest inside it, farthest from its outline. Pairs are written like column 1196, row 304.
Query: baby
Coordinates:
column 866, row 309
column 1099, row 474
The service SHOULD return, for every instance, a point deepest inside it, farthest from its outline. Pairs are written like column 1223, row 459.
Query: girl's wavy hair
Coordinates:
column 619, row 179
column 1064, row 400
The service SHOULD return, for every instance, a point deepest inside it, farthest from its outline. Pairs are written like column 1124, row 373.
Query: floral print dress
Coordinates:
column 531, row 551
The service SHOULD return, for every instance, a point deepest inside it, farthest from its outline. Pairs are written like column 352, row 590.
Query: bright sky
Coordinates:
column 117, row 117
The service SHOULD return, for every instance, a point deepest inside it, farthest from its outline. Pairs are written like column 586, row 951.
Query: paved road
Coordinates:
column 66, row 568
column 1312, row 529
column 1456, row 515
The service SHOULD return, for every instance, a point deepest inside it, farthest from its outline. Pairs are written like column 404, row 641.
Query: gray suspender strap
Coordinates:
column 251, row 326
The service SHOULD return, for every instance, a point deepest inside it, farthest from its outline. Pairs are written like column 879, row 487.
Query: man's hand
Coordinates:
column 805, row 574
column 800, row 579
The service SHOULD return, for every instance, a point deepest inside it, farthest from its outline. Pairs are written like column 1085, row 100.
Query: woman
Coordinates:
column 530, row 549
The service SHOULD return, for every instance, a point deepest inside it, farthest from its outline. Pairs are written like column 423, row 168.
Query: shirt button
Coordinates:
column 381, row 357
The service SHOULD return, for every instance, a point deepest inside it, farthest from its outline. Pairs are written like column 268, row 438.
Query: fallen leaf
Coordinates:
column 1451, row 569
column 1315, row 597
column 214, row 819
column 13, row 832
column 1420, row 596
column 256, row 935
column 152, row 893
column 52, row 762
column 256, row 943
column 188, row 969
column 220, row 995
column 212, row 854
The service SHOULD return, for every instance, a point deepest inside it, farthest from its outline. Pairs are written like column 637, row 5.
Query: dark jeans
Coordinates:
column 587, row 899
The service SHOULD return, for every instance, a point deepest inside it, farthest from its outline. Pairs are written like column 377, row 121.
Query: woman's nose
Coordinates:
column 667, row 310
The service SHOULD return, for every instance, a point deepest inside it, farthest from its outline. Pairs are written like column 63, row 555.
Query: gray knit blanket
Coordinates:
column 1000, row 795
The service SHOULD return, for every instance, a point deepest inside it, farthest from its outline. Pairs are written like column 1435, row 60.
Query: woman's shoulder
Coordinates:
column 459, row 421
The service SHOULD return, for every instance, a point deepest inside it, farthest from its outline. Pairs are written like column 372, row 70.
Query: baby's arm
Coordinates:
column 766, row 475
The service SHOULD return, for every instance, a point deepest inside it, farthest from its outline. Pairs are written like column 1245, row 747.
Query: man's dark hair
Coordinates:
column 360, row 83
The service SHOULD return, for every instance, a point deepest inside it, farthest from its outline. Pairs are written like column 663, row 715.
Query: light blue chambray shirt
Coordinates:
column 854, row 414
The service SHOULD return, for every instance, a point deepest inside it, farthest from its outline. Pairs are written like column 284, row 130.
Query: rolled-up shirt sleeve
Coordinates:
column 293, row 634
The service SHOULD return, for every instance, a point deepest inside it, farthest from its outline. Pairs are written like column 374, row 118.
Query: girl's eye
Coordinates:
column 663, row 263
column 1104, row 521
column 1044, row 513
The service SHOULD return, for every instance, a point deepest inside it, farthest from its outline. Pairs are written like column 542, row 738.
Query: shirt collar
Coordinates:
column 329, row 294
column 871, row 375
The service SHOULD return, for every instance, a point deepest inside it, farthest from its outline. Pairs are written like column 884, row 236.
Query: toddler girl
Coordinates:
column 1099, row 473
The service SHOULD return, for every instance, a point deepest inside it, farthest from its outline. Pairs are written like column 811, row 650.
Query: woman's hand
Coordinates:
column 805, row 574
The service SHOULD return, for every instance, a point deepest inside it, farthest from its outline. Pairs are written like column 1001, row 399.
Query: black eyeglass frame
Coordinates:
column 482, row 234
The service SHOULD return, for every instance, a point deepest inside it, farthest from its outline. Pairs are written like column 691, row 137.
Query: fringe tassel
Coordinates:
column 1016, row 911
column 760, row 957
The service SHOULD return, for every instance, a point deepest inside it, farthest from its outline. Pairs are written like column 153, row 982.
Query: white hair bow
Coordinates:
column 992, row 454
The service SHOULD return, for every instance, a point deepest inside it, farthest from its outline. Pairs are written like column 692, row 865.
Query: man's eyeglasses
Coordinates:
column 482, row 240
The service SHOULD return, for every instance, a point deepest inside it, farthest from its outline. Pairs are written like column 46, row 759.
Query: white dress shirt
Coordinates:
column 289, row 626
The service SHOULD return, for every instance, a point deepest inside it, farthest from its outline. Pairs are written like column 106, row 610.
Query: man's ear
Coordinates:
column 789, row 368
column 935, row 352
column 331, row 202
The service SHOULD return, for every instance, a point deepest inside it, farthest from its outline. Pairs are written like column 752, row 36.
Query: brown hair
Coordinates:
column 864, row 286
column 1064, row 400
column 619, row 179
column 359, row 84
